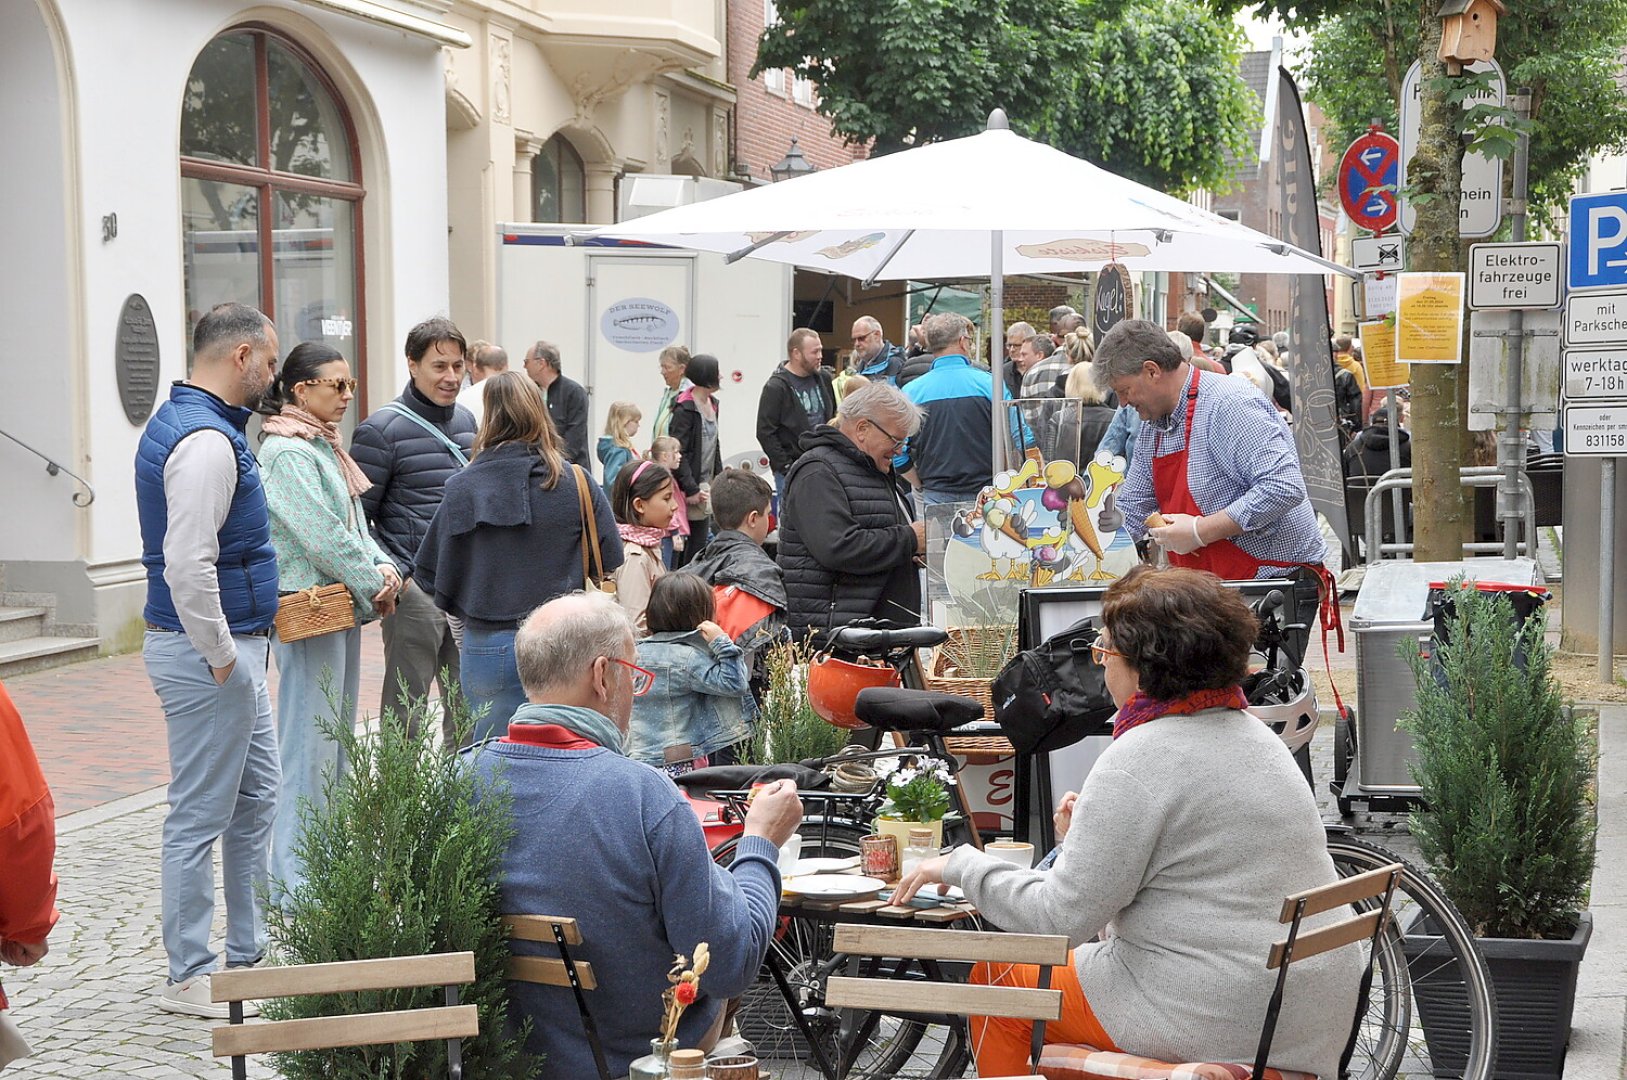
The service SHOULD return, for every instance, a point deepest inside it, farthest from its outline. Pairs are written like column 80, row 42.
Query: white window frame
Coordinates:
column 773, row 78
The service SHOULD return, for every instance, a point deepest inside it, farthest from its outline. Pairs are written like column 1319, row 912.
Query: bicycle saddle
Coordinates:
column 875, row 639
column 892, row 709
column 741, row 777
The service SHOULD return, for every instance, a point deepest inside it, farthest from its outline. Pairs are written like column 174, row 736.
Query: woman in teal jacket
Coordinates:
column 317, row 526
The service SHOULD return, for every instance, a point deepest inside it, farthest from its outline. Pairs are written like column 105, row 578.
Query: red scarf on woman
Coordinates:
column 1141, row 708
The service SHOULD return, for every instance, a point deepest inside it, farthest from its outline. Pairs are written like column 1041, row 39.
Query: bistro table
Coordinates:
column 874, row 912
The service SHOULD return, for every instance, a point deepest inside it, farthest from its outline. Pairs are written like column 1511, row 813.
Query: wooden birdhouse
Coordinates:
column 1469, row 30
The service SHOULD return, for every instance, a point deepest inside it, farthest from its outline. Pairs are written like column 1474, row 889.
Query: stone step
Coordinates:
column 17, row 623
column 39, row 653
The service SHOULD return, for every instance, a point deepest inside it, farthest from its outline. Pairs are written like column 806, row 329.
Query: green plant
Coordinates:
column 1505, row 770
column 788, row 729
column 403, row 859
column 917, row 789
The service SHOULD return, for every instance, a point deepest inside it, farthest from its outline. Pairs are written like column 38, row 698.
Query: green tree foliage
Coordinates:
column 404, row 859
column 1505, row 771
column 1147, row 89
column 1567, row 53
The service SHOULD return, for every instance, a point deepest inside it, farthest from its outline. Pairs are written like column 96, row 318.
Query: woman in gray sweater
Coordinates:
column 1178, row 850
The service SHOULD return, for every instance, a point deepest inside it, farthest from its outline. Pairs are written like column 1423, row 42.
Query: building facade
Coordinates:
column 283, row 153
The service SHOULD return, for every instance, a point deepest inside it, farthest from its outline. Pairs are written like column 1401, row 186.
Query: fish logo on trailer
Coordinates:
column 639, row 324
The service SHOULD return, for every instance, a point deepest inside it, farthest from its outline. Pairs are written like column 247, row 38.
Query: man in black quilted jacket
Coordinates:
column 408, row 448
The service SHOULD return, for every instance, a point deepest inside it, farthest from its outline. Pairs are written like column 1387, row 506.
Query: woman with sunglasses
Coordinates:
column 312, row 489
column 1177, row 850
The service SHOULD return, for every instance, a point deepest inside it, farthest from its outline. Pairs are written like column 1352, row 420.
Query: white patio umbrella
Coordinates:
column 983, row 206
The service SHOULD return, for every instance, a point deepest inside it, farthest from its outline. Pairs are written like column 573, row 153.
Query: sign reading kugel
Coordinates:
column 1367, row 181
column 1113, row 299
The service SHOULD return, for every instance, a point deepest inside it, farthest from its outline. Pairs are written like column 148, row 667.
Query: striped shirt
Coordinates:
column 1243, row 462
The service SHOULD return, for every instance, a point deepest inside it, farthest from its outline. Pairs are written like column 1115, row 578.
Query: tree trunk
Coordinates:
column 1436, row 174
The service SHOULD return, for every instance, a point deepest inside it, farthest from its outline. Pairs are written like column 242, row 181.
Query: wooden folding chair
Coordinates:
column 452, row 1022
column 895, row 996
column 1064, row 1062
column 563, row 932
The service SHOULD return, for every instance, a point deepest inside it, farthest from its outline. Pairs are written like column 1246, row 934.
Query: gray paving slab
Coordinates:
column 1598, row 1047
column 88, row 1009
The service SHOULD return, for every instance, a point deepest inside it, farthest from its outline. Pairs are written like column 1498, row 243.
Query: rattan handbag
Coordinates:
column 321, row 609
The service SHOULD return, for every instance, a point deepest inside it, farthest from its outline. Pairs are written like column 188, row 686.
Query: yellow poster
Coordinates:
column 1378, row 352
column 1429, row 318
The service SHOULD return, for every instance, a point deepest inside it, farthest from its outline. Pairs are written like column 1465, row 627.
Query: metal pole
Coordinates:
column 1392, row 408
column 1511, row 448
column 997, row 346
column 1607, row 572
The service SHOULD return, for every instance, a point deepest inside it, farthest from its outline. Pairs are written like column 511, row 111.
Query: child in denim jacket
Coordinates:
column 700, row 702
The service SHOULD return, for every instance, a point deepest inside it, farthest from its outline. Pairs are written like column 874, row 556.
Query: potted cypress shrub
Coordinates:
column 403, row 859
column 1506, row 771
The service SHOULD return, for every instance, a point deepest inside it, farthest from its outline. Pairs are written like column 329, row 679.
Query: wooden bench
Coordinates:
column 893, row 996
column 452, row 1022
column 566, row 971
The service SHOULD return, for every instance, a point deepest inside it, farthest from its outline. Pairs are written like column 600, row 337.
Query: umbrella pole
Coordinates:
column 997, row 341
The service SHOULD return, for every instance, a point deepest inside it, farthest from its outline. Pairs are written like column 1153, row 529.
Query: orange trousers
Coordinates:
column 1001, row 1046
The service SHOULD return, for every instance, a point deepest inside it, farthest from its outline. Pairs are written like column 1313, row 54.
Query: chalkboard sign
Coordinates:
column 135, row 359
column 1112, row 301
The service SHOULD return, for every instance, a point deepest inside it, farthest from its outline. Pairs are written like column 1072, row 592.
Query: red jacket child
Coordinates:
column 27, row 845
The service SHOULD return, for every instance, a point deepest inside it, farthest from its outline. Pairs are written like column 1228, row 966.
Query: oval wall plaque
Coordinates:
column 135, row 358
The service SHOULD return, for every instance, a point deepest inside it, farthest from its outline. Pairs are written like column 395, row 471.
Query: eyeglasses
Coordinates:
column 862, row 338
column 1100, row 653
column 335, row 383
column 897, row 442
column 642, row 680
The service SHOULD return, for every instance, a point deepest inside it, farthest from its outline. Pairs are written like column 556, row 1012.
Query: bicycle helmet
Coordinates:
column 834, row 684
column 1289, row 705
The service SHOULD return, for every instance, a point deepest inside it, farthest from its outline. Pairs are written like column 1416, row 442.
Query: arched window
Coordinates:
column 271, row 192
column 558, row 184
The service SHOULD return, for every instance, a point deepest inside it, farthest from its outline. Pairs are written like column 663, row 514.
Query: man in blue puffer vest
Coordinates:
column 211, row 596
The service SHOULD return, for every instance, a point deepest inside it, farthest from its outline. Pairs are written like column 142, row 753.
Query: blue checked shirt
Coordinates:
column 1243, row 462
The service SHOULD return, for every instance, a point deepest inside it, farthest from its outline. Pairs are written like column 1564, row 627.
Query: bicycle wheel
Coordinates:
column 1431, row 1010
column 872, row 1044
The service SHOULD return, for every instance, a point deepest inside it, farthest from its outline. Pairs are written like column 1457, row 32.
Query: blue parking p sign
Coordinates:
column 1598, row 240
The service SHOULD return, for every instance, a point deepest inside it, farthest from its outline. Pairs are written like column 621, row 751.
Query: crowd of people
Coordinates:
column 608, row 630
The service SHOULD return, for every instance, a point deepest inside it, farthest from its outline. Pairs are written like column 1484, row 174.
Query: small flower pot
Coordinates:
column 900, row 828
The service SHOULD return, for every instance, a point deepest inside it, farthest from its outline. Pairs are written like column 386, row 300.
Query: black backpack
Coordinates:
column 1054, row 694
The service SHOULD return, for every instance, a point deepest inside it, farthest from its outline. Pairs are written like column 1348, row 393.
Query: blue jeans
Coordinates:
column 490, row 679
column 311, row 674
column 223, row 786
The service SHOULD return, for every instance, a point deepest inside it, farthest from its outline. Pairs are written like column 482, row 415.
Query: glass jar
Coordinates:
column 920, row 849
column 687, row 1065
column 655, row 1064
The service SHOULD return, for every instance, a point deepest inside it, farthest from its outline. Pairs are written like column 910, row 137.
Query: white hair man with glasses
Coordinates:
column 848, row 538
column 612, row 843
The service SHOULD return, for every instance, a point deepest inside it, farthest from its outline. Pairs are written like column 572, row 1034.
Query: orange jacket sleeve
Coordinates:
column 27, row 834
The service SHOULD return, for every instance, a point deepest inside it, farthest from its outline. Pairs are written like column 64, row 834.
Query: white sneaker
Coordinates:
column 191, row 998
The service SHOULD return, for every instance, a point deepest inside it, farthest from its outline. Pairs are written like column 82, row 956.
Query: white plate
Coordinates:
column 803, row 867
column 834, row 886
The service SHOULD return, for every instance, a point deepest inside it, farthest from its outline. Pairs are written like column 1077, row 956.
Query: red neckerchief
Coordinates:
column 1141, row 708
column 553, row 736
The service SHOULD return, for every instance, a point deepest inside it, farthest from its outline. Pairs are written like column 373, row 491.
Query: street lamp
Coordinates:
column 792, row 164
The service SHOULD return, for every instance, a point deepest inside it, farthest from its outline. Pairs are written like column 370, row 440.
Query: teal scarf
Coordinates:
column 588, row 723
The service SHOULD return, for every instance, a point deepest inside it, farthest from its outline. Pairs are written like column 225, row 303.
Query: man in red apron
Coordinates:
column 1214, row 460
